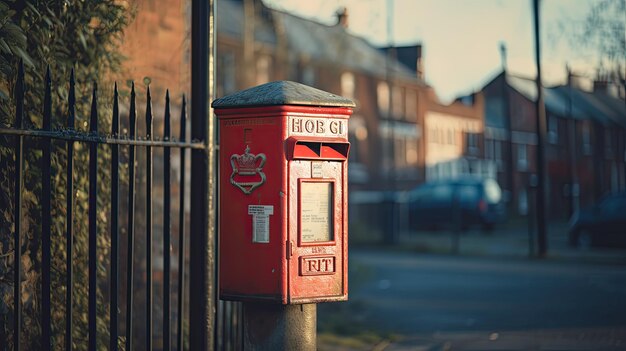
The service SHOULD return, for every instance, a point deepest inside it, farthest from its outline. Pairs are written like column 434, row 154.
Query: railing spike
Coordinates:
column 149, row 223
column 46, row 219
column 17, row 215
column 115, row 127
column 167, row 128
column 69, row 281
column 131, row 225
column 47, row 102
column 181, row 232
column 92, row 223
column 72, row 101
column 19, row 96
column 167, row 231
column 93, row 122
column 113, row 317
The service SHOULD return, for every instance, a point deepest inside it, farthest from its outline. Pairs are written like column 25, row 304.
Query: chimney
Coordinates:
column 419, row 68
column 503, row 55
column 342, row 17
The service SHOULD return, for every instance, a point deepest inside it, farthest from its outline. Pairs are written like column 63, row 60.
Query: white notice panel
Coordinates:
column 260, row 222
column 316, row 205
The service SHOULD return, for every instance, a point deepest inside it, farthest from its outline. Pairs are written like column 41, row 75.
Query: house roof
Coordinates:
column 593, row 105
column 564, row 101
column 553, row 100
column 335, row 45
column 316, row 41
column 230, row 21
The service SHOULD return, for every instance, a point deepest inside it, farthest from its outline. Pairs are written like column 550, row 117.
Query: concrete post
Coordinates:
column 273, row 327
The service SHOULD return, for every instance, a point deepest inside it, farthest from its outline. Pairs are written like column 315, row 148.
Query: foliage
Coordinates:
column 603, row 31
column 82, row 35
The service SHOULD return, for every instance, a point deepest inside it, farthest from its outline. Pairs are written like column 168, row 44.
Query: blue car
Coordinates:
column 603, row 224
column 456, row 203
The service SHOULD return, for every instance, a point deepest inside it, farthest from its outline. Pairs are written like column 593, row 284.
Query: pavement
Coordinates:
column 507, row 240
column 560, row 339
column 506, row 243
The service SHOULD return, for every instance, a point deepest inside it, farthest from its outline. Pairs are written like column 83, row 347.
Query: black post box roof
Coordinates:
column 282, row 93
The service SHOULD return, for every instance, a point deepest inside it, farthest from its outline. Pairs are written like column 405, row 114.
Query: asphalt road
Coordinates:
column 411, row 294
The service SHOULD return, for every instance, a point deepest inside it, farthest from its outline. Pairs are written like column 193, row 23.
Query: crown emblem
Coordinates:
column 247, row 172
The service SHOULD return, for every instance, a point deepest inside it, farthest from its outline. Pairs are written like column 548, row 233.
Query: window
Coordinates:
column 382, row 91
column 433, row 135
column 400, row 151
column 442, row 193
column 522, row 157
column 397, row 102
column 553, row 132
column 522, row 202
column 226, row 73
column 489, row 152
column 467, row 194
column 472, row 143
column 608, row 149
column 347, row 85
column 411, row 105
column 308, row 75
column 411, row 151
column 497, row 151
column 263, row 64
column 586, row 138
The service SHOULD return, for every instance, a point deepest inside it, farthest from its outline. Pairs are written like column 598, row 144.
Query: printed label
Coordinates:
column 260, row 222
column 316, row 170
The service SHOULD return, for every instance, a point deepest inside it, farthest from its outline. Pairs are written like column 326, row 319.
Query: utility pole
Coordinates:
column 541, row 133
column 506, row 115
column 248, row 43
column 390, row 236
column 202, row 241
column 571, row 130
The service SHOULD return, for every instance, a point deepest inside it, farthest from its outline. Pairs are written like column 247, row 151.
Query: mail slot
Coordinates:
column 283, row 234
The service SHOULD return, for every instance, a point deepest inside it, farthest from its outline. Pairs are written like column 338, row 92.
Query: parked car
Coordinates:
column 456, row 203
column 603, row 224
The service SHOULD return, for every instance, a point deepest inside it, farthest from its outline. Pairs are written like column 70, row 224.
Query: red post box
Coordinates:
column 283, row 233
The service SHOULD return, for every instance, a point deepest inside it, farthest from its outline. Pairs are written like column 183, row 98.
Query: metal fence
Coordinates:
column 228, row 331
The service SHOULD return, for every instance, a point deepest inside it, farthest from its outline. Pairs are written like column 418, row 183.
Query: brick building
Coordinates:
column 584, row 150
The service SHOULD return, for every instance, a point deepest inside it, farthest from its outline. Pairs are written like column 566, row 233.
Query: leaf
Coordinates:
column 83, row 41
column 24, row 56
column 33, row 8
column 5, row 46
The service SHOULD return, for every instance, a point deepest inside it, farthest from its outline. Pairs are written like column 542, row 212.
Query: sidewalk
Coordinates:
column 512, row 240
column 558, row 339
column 509, row 241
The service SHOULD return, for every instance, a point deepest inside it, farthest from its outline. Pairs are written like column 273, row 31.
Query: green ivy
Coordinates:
column 64, row 35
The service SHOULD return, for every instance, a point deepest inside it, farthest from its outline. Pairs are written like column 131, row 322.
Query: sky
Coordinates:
column 461, row 38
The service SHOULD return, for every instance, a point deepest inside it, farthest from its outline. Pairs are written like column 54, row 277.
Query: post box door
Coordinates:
column 317, row 261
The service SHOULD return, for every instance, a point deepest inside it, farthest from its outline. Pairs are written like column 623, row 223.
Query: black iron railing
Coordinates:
column 114, row 140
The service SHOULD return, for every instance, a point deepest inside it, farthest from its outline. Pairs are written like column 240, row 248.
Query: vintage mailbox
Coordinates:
column 283, row 233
